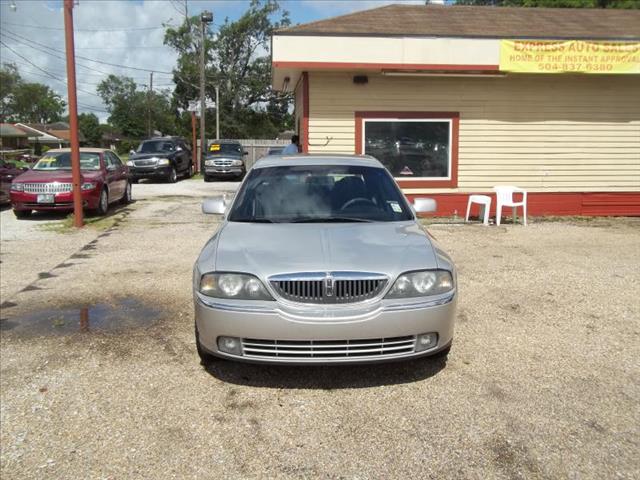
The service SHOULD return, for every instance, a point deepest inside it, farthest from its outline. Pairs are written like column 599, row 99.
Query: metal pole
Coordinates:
column 202, row 105
column 194, row 149
column 217, row 112
column 149, row 94
column 73, row 113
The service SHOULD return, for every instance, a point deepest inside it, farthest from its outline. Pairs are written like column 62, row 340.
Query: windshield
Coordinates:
column 319, row 193
column 156, row 146
column 62, row 161
column 225, row 149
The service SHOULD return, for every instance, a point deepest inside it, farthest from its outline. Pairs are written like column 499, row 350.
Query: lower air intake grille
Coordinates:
column 328, row 349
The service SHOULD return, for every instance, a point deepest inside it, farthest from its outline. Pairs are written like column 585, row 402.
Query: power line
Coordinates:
column 96, row 29
column 44, row 71
column 80, row 56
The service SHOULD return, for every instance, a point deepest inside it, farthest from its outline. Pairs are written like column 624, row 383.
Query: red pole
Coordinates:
column 73, row 113
column 194, row 150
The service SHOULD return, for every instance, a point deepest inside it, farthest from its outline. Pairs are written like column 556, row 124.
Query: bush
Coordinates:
column 126, row 146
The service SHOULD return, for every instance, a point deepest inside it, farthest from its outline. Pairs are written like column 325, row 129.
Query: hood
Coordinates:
column 142, row 156
column 62, row 176
column 389, row 248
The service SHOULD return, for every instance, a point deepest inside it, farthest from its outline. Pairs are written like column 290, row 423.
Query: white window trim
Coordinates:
column 422, row 120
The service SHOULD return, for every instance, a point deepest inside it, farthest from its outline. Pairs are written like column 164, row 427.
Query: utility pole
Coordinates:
column 73, row 113
column 217, row 112
column 206, row 17
column 149, row 98
column 194, row 149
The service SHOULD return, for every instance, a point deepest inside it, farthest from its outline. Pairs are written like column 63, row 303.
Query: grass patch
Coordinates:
column 197, row 176
column 95, row 223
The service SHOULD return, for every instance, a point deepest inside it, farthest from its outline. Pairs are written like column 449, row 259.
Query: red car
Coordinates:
column 48, row 185
column 7, row 173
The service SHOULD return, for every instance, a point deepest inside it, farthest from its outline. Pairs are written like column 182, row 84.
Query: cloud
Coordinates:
column 115, row 32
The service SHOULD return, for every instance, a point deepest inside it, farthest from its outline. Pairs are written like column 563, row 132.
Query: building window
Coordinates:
column 418, row 146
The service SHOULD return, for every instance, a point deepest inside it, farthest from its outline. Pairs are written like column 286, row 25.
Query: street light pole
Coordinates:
column 73, row 113
column 205, row 18
column 217, row 112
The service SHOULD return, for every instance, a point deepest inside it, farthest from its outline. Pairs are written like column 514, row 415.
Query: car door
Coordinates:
column 113, row 177
column 123, row 171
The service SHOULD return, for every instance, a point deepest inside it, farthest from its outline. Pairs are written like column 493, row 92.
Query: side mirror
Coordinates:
column 178, row 149
column 132, row 152
column 424, row 205
column 215, row 205
column 111, row 168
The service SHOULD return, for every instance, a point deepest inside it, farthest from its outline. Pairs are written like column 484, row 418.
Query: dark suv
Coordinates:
column 161, row 158
column 225, row 158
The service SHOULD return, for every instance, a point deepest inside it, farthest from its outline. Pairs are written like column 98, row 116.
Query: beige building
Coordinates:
column 456, row 100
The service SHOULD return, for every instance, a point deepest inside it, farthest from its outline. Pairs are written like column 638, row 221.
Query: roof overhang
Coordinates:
column 294, row 54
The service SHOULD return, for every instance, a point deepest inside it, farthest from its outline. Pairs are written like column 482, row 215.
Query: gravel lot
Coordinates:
column 543, row 380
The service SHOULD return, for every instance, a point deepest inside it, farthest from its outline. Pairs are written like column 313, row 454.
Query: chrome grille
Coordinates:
column 53, row 187
column 330, row 287
column 222, row 163
column 145, row 163
column 328, row 349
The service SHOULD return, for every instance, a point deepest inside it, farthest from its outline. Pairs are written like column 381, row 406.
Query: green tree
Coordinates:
column 9, row 80
column 90, row 126
column 627, row 4
column 130, row 109
column 27, row 102
column 237, row 60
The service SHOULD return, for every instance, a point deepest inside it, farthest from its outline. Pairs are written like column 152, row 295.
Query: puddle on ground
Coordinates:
column 122, row 314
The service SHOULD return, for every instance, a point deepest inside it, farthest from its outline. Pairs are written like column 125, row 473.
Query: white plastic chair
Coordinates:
column 484, row 201
column 504, row 198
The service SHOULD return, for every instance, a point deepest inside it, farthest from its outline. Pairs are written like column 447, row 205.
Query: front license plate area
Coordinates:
column 46, row 198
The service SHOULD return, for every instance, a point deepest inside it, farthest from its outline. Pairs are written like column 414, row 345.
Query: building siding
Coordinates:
column 545, row 133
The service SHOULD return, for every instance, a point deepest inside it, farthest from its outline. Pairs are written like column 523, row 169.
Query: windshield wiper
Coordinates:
column 329, row 220
column 253, row 220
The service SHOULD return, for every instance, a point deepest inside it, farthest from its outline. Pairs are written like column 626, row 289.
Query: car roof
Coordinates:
column 82, row 150
column 315, row 159
column 232, row 142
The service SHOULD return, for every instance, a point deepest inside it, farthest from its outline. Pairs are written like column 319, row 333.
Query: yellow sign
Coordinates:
column 570, row 56
column 214, row 147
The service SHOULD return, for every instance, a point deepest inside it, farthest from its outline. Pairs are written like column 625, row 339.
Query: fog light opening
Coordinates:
column 230, row 345
column 426, row 341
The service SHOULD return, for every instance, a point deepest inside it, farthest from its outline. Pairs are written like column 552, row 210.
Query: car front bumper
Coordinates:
column 392, row 325
column 139, row 173
column 62, row 201
column 222, row 171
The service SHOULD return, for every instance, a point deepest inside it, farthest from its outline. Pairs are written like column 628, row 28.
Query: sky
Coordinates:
column 111, row 36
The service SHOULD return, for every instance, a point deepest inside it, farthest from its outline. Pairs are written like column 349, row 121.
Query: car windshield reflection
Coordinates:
column 319, row 193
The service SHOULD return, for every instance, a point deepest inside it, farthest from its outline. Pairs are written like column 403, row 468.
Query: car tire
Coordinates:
column 134, row 180
column 241, row 177
column 103, row 203
column 21, row 214
column 207, row 178
column 205, row 357
column 173, row 176
column 190, row 171
column 126, row 197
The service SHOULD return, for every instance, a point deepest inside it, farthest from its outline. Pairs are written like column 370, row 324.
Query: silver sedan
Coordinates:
column 321, row 260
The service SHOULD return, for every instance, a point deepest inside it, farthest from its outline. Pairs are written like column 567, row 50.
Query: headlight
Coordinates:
column 88, row 186
column 130, row 163
column 17, row 187
column 163, row 161
column 209, row 163
column 236, row 163
column 239, row 286
column 421, row 284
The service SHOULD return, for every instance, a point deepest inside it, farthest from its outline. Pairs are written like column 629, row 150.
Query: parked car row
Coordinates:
column 106, row 179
